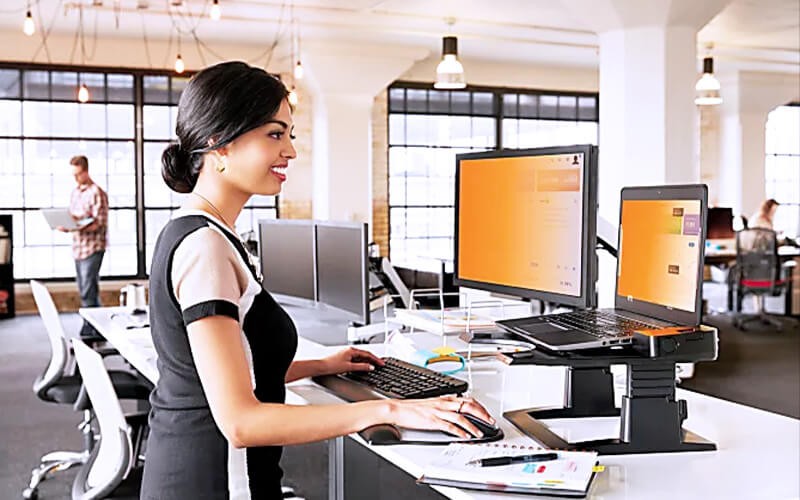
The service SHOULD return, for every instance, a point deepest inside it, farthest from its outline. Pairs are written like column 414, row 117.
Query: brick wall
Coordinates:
column 295, row 201
column 380, row 173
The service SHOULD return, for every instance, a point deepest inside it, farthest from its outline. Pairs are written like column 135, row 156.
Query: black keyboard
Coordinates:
column 396, row 379
column 599, row 323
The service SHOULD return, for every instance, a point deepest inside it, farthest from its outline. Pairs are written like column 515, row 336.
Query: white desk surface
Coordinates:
column 758, row 456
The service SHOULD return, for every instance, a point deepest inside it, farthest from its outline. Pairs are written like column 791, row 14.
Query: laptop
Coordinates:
column 659, row 274
column 56, row 217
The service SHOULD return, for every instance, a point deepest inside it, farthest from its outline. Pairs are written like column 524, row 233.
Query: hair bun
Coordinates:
column 177, row 169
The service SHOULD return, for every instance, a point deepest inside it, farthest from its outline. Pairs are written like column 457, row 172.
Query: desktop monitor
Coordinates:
column 525, row 223
column 720, row 223
column 342, row 263
column 287, row 257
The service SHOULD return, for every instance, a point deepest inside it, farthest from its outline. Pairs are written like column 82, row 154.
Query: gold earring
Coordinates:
column 222, row 164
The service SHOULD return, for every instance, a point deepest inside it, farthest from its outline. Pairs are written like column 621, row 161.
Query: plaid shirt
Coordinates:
column 89, row 201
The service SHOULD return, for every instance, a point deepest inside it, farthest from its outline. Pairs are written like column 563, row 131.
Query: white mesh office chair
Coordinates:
column 59, row 383
column 117, row 451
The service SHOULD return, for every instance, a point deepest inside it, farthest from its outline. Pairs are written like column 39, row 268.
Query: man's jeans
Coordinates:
column 88, row 275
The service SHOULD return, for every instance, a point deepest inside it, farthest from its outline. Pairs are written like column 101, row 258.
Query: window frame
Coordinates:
column 138, row 102
column 498, row 113
column 770, row 182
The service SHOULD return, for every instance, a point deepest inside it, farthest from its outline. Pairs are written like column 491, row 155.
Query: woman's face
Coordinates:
column 257, row 160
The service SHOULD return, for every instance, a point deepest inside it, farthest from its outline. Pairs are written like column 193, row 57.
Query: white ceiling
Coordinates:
column 753, row 34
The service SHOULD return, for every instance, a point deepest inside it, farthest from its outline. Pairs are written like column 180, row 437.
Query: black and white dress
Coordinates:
column 202, row 269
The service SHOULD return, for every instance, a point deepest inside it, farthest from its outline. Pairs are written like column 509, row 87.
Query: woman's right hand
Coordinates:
column 442, row 413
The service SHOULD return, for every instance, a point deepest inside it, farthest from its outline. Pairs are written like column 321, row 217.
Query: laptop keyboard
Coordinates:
column 599, row 323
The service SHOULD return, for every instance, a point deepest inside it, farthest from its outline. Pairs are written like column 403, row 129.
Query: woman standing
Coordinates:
column 225, row 347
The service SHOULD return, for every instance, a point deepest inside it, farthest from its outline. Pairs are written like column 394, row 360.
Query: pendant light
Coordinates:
column 216, row 12
column 707, row 87
column 83, row 93
column 449, row 72
column 179, row 65
column 28, row 26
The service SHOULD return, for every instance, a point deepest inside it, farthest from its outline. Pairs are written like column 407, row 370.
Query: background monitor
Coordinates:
column 287, row 257
column 342, row 263
column 526, row 223
column 720, row 223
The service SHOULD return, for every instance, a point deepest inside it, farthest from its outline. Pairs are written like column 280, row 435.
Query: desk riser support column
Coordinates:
column 651, row 419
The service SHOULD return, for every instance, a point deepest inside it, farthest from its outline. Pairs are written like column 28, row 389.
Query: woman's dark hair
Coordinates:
column 219, row 104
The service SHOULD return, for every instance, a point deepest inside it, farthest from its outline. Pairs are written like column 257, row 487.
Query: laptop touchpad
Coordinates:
column 539, row 328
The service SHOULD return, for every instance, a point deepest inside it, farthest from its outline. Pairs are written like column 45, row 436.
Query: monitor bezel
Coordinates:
column 668, row 192
column 588, row 292
column 311, row 223
column 364, row 315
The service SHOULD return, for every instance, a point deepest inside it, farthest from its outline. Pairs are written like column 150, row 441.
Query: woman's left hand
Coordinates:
column 350, row 360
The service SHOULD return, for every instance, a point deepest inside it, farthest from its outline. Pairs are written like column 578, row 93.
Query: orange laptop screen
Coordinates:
column 659, row 250
column 520, row 222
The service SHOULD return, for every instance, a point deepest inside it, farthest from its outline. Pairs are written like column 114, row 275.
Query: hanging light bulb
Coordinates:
column 29, row 27
column 292, row 97
column 83, row 93
column 449, row 72
column 179, row 66
column 707, row 87
column 215, row 13
column 298, row 70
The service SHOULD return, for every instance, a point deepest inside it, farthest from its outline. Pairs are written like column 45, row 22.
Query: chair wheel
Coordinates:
column 29, row 494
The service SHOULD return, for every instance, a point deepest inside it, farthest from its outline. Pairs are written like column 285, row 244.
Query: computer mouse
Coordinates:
column 381, row 434
column 489, row 431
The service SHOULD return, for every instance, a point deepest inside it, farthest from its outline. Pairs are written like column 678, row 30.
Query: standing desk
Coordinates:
column 758, row 455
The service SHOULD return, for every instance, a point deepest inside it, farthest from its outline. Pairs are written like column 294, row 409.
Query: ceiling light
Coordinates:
column 179, row 66
column 298, row 71
column 292, row 97
column 215, row 13
column 83, row 93
column 449, row 72
column 28, row 27
column 707, row 87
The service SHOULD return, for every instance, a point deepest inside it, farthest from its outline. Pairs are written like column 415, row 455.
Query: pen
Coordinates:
column 521, row 459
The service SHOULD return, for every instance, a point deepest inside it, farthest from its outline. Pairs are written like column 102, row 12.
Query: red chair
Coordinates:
column 758, row 272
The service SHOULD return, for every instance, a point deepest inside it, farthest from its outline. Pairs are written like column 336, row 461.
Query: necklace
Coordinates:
column 250, row 257
column 215, row 209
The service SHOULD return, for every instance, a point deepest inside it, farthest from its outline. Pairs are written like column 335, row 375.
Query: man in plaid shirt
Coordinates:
column 88, row 242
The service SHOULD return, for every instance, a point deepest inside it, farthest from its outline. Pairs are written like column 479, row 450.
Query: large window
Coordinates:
column 427, row 128
column 42, row 125
column 782, row 167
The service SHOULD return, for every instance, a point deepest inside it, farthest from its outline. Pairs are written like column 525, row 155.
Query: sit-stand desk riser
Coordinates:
column 651, row 417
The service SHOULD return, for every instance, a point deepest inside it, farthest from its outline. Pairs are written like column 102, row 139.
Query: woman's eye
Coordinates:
column 292, row 137
column 276, row 135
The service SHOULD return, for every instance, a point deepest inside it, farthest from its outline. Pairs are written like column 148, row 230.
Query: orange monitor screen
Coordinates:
column 520, row 222
column 659, row 250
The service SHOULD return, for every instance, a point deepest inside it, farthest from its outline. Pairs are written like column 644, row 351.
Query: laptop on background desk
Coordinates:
column 659, row 274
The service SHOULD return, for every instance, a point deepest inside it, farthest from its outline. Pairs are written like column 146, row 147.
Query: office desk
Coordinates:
column 758, row 455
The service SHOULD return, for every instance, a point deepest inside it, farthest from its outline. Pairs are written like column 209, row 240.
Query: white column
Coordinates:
column 648, row 69
column 748, row 97
column 647, row 111
column 344, row 81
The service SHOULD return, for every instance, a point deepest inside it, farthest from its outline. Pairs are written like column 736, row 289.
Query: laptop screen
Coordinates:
column 660, row 251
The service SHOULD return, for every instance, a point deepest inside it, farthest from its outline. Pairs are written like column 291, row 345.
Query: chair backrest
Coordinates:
column 111, row 458
column 55, row 334
column 757, row 256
